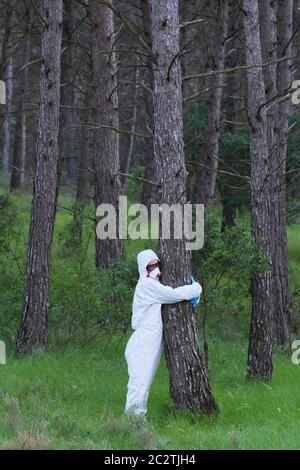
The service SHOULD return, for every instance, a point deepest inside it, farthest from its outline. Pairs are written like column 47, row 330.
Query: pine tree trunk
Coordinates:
column 82, row 181
column 7, row 77
column 206, row 175
column 188, row 376
column 232, row 107
column 133, row 124
column 85, row 157
column 68, row 79
column 19, row 145
column 149, row 194
column 284, row 321
column 33, row 327
column 105, row 139
column 260, row 340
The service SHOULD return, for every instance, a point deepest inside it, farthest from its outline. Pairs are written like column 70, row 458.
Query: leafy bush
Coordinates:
column 68, row 242
column 8, row 219
column 86, row 303
column 11, row 269
column 225, row 266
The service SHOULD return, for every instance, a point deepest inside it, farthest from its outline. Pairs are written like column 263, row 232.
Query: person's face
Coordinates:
column 153, row 269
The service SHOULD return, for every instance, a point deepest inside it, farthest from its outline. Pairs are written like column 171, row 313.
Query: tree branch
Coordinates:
column 138, row 178
column 233, row 69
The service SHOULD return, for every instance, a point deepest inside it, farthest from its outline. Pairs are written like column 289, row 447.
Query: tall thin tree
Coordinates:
column 133, row 123
column 284, row 321
column 85, row 154
column 232, row 111
column 206, row 174
column 7, row 71
column 260, row 341
column 33, row 327
column 68, row 81
column 188, row 375
column 19, row 145
column 149, row 193
column 105, row 123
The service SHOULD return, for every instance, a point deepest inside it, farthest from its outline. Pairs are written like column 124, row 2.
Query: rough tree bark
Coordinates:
column 105, row 139
column 19, row 144
column 277, row 155
column 85, row 158
column 133, row 124
column 149, row 194
column 206, row 176
column 260, row 340
column 188, row 375
column 233, row 113
column 33, row 327
column 7, row 77
column 68, row 79
column 284, row 321
column 82, row 179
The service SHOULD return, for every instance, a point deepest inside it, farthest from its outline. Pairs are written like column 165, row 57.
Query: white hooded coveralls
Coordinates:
column 144, row 347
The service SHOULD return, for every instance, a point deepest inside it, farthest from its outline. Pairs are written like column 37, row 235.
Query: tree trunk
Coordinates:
column 19, row 145
column 7, row 77
column 33, row 327
column 260, row 340
column 24, row 147
column 284, row 320
column 85, row 157
column 105, row 139
column 149, row 195
column 68, row 78
column 206, row 176
column 133, row 124
column 82, row 181
column 188, row 375
column 233, row 113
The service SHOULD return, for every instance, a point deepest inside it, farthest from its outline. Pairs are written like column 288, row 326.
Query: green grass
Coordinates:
column 73, row 399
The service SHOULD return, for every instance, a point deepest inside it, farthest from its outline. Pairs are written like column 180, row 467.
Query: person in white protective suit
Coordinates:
column 144, row 347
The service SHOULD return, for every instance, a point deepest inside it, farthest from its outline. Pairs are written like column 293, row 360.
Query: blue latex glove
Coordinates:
column 195, row 300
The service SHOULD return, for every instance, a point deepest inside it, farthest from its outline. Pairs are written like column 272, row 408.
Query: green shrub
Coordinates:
column 86, row 303
column 11, row 269
column 8, row 220
column 225, row 266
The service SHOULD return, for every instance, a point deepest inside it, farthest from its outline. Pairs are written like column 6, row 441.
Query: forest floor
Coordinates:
column 73, row 397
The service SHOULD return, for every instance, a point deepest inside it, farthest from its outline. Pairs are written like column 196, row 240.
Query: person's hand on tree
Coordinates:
column 195, row 300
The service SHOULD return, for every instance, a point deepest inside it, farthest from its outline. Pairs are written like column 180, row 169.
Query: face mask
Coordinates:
column 155, row 274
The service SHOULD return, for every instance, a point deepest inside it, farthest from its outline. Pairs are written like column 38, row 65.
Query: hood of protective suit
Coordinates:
column 143, row 259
